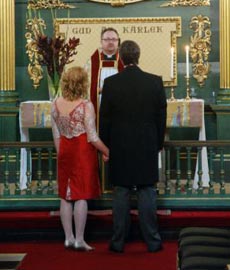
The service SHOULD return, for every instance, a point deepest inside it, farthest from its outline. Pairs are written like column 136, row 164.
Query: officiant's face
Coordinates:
column 109, row 42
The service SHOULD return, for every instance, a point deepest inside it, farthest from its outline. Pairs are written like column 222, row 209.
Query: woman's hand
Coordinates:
column 105, row 158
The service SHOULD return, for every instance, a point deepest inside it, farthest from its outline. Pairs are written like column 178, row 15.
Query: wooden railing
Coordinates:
column 176, row 188
column 41, row 185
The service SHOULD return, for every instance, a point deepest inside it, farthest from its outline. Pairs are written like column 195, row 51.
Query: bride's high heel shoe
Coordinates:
column 82, row 246
column 69, row 243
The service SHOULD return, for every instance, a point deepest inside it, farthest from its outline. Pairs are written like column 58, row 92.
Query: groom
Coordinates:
column 132, row 125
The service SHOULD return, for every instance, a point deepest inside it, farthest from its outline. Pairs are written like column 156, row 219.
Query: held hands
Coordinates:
column 105, row 158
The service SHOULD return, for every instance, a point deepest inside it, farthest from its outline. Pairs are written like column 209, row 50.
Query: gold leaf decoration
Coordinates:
column 35, row 27
column 176, row 3
column 46, row 4
column 116, row 3
column 200, row 47
column 34, row 68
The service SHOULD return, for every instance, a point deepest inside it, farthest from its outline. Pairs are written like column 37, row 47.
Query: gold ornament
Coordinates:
column 176, row 3
column 200, row 47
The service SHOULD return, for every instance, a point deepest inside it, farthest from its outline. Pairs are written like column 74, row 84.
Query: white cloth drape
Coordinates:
column 204, row 158
column 32, row 114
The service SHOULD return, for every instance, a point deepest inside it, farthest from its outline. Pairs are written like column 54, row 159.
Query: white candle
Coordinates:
column 172, row 67
column 187, row 61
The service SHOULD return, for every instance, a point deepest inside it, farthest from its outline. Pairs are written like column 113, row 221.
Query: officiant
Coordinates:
column 103, row 63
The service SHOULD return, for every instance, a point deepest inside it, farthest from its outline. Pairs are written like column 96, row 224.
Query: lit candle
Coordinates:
column 187, row 61
column 172, row 68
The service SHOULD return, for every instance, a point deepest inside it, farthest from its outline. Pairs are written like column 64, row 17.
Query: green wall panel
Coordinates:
column 151, row 8
column 8, row 125
column 143, row 9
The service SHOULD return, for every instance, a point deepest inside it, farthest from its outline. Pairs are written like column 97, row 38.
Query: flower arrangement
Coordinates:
column 56, row 53
column 53, row 52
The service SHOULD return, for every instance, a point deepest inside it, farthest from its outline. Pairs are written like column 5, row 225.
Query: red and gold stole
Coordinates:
column 97, row 62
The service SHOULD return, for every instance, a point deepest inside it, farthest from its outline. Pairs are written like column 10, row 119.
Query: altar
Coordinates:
column 190, row 113
column 180, row 113
column 32, row 114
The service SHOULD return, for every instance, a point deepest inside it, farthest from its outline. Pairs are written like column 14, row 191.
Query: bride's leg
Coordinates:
column 66, row 213
column 80, row 217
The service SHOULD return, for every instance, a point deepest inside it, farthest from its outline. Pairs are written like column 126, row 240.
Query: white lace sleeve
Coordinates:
column 89, row 121
column 56, row 133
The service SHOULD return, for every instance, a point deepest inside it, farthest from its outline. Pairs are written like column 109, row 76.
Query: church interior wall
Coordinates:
column 151, row 8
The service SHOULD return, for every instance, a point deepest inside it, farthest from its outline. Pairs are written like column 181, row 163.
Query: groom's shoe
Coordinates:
column 114, row 249
column 155, row 249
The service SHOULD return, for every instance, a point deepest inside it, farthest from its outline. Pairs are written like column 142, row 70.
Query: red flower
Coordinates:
column 55, row 54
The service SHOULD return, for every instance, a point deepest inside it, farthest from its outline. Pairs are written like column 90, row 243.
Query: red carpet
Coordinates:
column 167, row 218
column 52, row 256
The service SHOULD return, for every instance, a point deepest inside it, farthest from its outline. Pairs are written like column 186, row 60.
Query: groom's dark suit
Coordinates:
column 132, row 125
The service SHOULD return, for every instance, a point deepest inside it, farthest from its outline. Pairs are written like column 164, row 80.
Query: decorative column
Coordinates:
column 8, row 95
column 224, row 34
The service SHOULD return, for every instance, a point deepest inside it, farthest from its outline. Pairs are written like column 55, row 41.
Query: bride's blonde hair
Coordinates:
column 74, row 83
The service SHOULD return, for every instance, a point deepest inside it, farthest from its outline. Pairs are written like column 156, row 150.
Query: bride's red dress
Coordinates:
column 78, row 171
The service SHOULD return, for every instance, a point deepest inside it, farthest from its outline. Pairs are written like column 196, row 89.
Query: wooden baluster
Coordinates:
column 222, row 172
column 28, row 172
column 211, row 171
column 17, row 183
column 178, row 171
column 189, row 172
column 167, row 172
column 6, row 190
column 200, row 172
column 39, row 172
column 50, row 172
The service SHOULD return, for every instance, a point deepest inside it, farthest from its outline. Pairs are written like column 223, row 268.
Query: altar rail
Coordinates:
column 176, row 189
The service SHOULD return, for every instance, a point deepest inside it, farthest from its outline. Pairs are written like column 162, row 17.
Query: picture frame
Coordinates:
column 155, row 36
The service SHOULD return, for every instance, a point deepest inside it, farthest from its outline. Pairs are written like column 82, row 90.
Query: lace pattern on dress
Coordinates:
column 90, row 125
column 80, row 120
column 56, row 133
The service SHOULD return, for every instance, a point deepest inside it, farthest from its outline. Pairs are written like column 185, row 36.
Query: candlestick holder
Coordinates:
column 172, row 98
column 187, row 88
